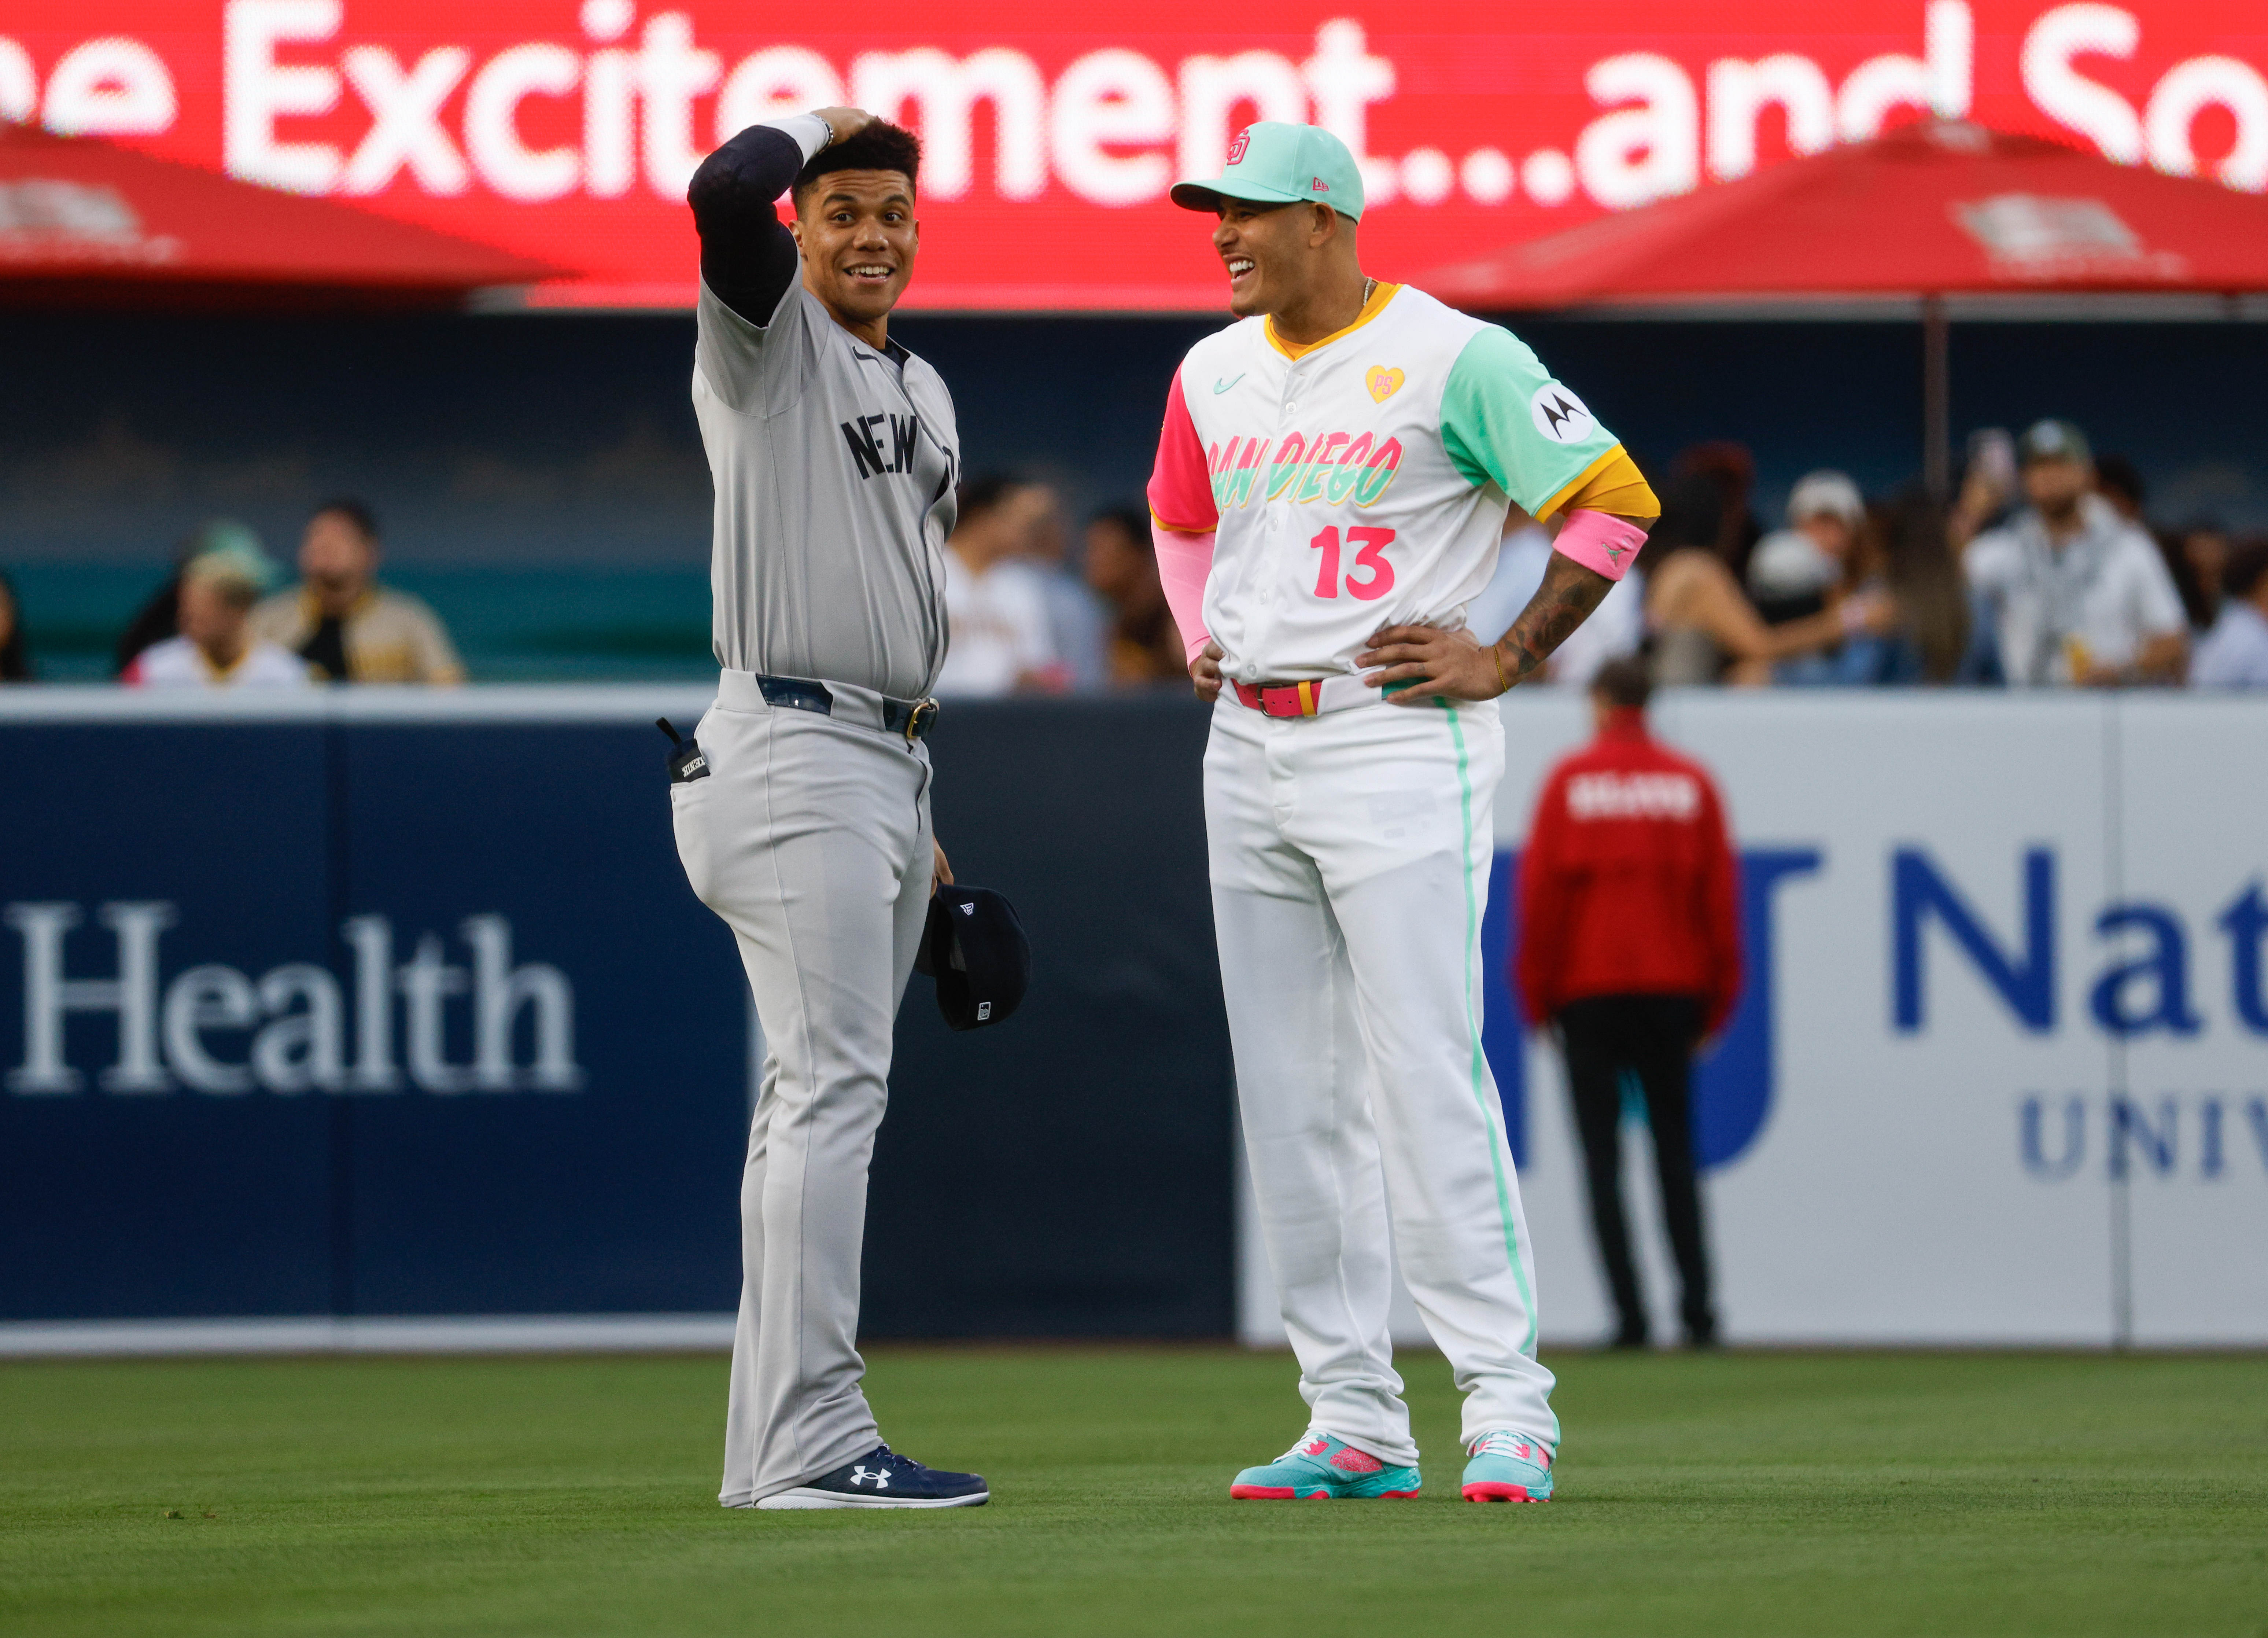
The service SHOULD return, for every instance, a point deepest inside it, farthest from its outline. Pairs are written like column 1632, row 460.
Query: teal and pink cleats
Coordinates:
column 1321, row 1468
column 1508, row 1467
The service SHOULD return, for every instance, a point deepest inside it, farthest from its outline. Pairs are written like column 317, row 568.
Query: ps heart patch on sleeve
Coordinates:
column 1383, row 383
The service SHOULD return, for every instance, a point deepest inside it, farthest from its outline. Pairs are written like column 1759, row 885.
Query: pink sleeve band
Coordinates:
column 1600, row 542
column 1183, row 561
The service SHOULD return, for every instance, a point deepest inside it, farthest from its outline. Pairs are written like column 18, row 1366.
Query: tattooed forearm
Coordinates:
column 1563, row 601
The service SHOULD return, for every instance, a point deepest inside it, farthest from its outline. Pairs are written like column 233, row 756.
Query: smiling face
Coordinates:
column 859, row 237
column 1270, row 253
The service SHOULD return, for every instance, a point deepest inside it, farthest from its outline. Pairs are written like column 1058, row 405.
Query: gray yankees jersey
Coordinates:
column 835, row 466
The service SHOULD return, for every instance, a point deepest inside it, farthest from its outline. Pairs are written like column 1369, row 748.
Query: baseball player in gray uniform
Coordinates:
column 804, row 821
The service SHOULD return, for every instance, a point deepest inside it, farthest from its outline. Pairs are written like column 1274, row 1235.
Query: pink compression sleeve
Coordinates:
column 1601, row 540
column 1184, row 560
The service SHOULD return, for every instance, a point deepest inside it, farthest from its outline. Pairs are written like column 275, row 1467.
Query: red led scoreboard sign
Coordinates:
column 567, row 129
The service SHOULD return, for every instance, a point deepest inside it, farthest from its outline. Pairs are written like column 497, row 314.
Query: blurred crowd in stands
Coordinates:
column 2044, row 569
column 1024, row 621
column 220, row 620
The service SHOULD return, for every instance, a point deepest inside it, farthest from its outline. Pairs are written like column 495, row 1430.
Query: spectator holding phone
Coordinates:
column 2078, row 593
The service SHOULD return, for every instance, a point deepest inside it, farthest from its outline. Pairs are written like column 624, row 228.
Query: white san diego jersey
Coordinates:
column 1364, row 483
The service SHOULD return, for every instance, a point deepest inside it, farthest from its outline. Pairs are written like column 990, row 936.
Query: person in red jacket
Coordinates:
column 1629, row 943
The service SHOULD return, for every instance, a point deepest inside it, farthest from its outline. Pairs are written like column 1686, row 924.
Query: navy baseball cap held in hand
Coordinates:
column 974, row 948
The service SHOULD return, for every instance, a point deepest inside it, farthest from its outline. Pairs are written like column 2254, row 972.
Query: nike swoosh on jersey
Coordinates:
column 1220, row 386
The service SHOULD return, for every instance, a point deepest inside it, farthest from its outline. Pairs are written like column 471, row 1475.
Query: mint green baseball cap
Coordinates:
column 1271, row 162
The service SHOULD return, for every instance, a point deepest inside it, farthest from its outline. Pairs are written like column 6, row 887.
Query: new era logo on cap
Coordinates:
column 979, row 956
column 1321, row 187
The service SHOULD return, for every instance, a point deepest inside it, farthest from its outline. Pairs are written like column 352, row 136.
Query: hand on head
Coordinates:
column 854, row 220
column 846, row 123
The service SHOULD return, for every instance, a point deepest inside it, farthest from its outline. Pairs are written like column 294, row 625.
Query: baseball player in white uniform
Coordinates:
column 1331, row 485
column 803, row 818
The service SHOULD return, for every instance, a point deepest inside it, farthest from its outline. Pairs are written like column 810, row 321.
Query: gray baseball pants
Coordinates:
column 811, row 837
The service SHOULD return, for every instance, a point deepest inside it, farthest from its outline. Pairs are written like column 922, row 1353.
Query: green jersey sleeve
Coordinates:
column 1504, row 420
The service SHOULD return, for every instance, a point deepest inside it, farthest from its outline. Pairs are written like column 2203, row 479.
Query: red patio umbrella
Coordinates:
column 1930, row 211
column 84, row 221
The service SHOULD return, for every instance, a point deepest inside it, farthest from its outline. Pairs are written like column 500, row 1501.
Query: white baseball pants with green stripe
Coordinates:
column 1350, row 860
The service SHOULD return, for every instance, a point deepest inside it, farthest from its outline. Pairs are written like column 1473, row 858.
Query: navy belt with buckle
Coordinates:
column 913, row 717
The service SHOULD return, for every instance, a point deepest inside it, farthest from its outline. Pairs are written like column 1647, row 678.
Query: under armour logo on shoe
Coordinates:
column 861, row 1473
column 1316, row 1446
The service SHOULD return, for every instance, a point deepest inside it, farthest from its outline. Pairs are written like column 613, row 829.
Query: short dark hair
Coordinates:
column 2247, row 565
column 1135, row 520
column 881, row 146
column 980, row 494
column 2119, row 475
column 356, row 512
column 1624, row 683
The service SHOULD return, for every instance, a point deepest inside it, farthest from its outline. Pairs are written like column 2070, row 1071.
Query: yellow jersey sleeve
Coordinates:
column 1612, row 484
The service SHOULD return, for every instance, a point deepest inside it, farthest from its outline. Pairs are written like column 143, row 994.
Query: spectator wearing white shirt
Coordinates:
column 1002, row 637
column 1076, row 621
column 2077, row 593
column 2235, row 653
column 216, row 647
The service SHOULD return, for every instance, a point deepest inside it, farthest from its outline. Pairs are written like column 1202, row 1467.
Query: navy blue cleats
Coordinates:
column 882, row 1477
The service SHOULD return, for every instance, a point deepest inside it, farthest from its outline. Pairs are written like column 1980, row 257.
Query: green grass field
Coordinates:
column 1755, row 1495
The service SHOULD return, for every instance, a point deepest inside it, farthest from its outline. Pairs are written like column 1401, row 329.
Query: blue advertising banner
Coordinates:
column 1999, row 1075
column 382, row 1007
column 358, row 1017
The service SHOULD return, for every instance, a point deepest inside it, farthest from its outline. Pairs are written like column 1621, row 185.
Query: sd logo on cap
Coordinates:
column 974, row 948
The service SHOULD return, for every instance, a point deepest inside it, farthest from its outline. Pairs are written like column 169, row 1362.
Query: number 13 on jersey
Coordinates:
column 1370, row 556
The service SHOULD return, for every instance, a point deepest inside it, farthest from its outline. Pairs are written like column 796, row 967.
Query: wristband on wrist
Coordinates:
column 1496, row 653
column 1600, row 542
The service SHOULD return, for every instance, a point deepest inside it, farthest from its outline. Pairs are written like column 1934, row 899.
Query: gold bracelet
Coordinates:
column 1497, row 654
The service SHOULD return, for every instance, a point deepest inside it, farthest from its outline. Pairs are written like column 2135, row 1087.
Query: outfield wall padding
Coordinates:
column 2000, row 1075
column 249, row 948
